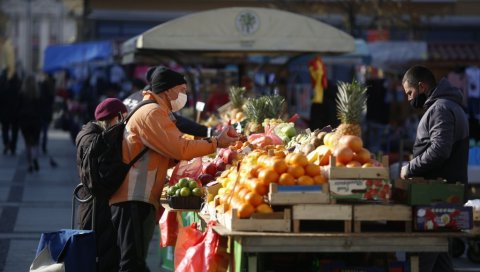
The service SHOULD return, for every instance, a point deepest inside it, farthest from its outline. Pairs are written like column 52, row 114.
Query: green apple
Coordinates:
column 197, row 192
column 192, row 184
column 183, row 182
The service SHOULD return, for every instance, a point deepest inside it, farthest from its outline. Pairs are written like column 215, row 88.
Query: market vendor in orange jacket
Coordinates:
column 133, row 205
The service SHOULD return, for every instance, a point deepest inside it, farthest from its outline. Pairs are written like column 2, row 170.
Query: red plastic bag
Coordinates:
column 169, row 224
column 186, row 169
column 187, row 238
column 209, row 254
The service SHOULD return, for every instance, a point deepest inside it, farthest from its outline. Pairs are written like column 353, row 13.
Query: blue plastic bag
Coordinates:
column 75, row 248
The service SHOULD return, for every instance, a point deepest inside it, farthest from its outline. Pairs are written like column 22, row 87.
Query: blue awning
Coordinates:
column 63, row 56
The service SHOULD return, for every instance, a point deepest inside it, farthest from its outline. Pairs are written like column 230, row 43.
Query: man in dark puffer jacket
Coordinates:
column 441, row 145
column 106, row 115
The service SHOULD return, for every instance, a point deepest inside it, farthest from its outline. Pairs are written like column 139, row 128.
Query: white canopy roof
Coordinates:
column 243, row 29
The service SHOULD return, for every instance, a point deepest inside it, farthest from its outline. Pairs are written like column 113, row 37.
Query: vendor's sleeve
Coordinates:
column 188, row 126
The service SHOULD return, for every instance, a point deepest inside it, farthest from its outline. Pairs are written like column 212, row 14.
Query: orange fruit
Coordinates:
column 305, row 180
column 343, row 154
column 368, row 164
column 242, row 193
column 288, row 158
column 324, row 153
column 298, row 159
column 286, row 179
column 279, row 154
column 353, row 164
column 267, row 176
column 245, row 210
column 339, row 164
column 264, row 208
column 261, row 190
column 362, row 156
column 296, row 171
column 253, row 198
column 355, row 143
column 320, row 179
column 312, row 169
column 279, row 165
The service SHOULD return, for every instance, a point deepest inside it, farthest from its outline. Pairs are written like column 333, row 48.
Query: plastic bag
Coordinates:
column 209, row 254
column 187, row 238
column 169, row 224
column 186, row 169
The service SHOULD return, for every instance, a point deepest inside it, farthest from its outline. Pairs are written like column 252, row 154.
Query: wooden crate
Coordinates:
column 296, row 194
column 476, row 222
column 375, row 212
column 322, row 212
column 334, row 172
column 274, row 222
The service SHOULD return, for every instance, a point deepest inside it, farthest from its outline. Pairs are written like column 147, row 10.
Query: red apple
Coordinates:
column 228, row 156
column 205, row 178
column 220, row 165
column 209, row 168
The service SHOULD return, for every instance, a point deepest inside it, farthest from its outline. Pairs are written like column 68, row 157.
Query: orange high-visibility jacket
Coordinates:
column 153, row 126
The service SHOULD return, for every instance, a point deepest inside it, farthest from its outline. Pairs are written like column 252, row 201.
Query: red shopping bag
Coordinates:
column 186, row 169
column 187, row 237
column 169, row 224
column 208, row 254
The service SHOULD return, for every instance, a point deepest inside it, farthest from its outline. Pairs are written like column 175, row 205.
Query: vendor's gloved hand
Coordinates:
column 226, row 137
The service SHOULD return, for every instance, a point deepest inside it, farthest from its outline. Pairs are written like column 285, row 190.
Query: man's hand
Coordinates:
column 223, row 138
column 403, row 172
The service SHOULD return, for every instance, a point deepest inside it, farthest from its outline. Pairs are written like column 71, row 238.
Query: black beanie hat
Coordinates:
column 162, row 79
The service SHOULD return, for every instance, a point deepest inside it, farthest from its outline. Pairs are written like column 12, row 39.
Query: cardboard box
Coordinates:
column 426, row 192
column 443, row 217
column 368, row 189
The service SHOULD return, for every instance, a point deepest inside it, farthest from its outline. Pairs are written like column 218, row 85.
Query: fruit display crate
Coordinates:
column 322, row 218
column 298, row 194
column 360, row 190
column 185, row 202
column 379, row 216
column 374, row 172
column 424, row 192
column 259, row 222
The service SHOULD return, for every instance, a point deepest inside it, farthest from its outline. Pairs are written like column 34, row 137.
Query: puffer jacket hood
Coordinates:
column 444, row 90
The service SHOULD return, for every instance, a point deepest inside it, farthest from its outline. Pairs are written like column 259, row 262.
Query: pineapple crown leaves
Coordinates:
column 351, row 101
column 270, row 106
column 237, row 96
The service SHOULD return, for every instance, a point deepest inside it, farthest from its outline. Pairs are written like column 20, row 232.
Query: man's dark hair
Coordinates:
column 417, row 74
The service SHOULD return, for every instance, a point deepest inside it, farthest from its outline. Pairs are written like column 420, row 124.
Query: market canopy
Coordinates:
column 63, row 56
column 226, row 31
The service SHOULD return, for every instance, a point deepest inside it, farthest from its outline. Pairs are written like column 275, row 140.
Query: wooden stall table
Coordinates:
column 262, row 242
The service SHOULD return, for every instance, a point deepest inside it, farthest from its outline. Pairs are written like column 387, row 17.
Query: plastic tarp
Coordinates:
column 63, row 56
column 243, row 29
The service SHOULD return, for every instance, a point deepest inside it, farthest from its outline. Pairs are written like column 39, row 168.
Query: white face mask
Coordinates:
column 179, row 103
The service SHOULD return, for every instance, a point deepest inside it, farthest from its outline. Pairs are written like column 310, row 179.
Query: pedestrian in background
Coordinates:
column 47, row 98
column 134, row 204
column 441, row 144
column 30, row 120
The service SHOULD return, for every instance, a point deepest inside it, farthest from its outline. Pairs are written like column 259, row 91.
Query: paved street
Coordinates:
column 41, row 202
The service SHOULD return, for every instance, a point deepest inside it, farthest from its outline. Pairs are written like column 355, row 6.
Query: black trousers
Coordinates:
column 135, row 223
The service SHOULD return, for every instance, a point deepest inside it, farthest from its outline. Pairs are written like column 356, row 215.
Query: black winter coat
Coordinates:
column 105, row 232
column 442, row 142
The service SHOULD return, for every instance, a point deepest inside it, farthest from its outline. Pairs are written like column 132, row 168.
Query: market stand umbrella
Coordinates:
column 239, row 31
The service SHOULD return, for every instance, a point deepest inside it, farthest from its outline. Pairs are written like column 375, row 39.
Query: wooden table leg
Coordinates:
column 252, row 263
column 414, row 263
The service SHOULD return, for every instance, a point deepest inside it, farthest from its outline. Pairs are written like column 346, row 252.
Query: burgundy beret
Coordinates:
column 109, row 108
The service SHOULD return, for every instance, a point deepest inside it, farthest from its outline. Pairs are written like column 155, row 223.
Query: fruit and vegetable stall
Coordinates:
column 282, row 189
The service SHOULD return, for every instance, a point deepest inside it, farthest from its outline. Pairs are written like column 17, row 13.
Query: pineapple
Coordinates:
column 257, row 110
column 351, row 102
column 237, row 99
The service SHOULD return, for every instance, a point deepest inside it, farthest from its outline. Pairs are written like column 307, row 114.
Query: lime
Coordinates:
column 183, row 183
column 192, row 184
column 197, row 192
column 171, row 191
column 184, row 191
column 177, row 192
